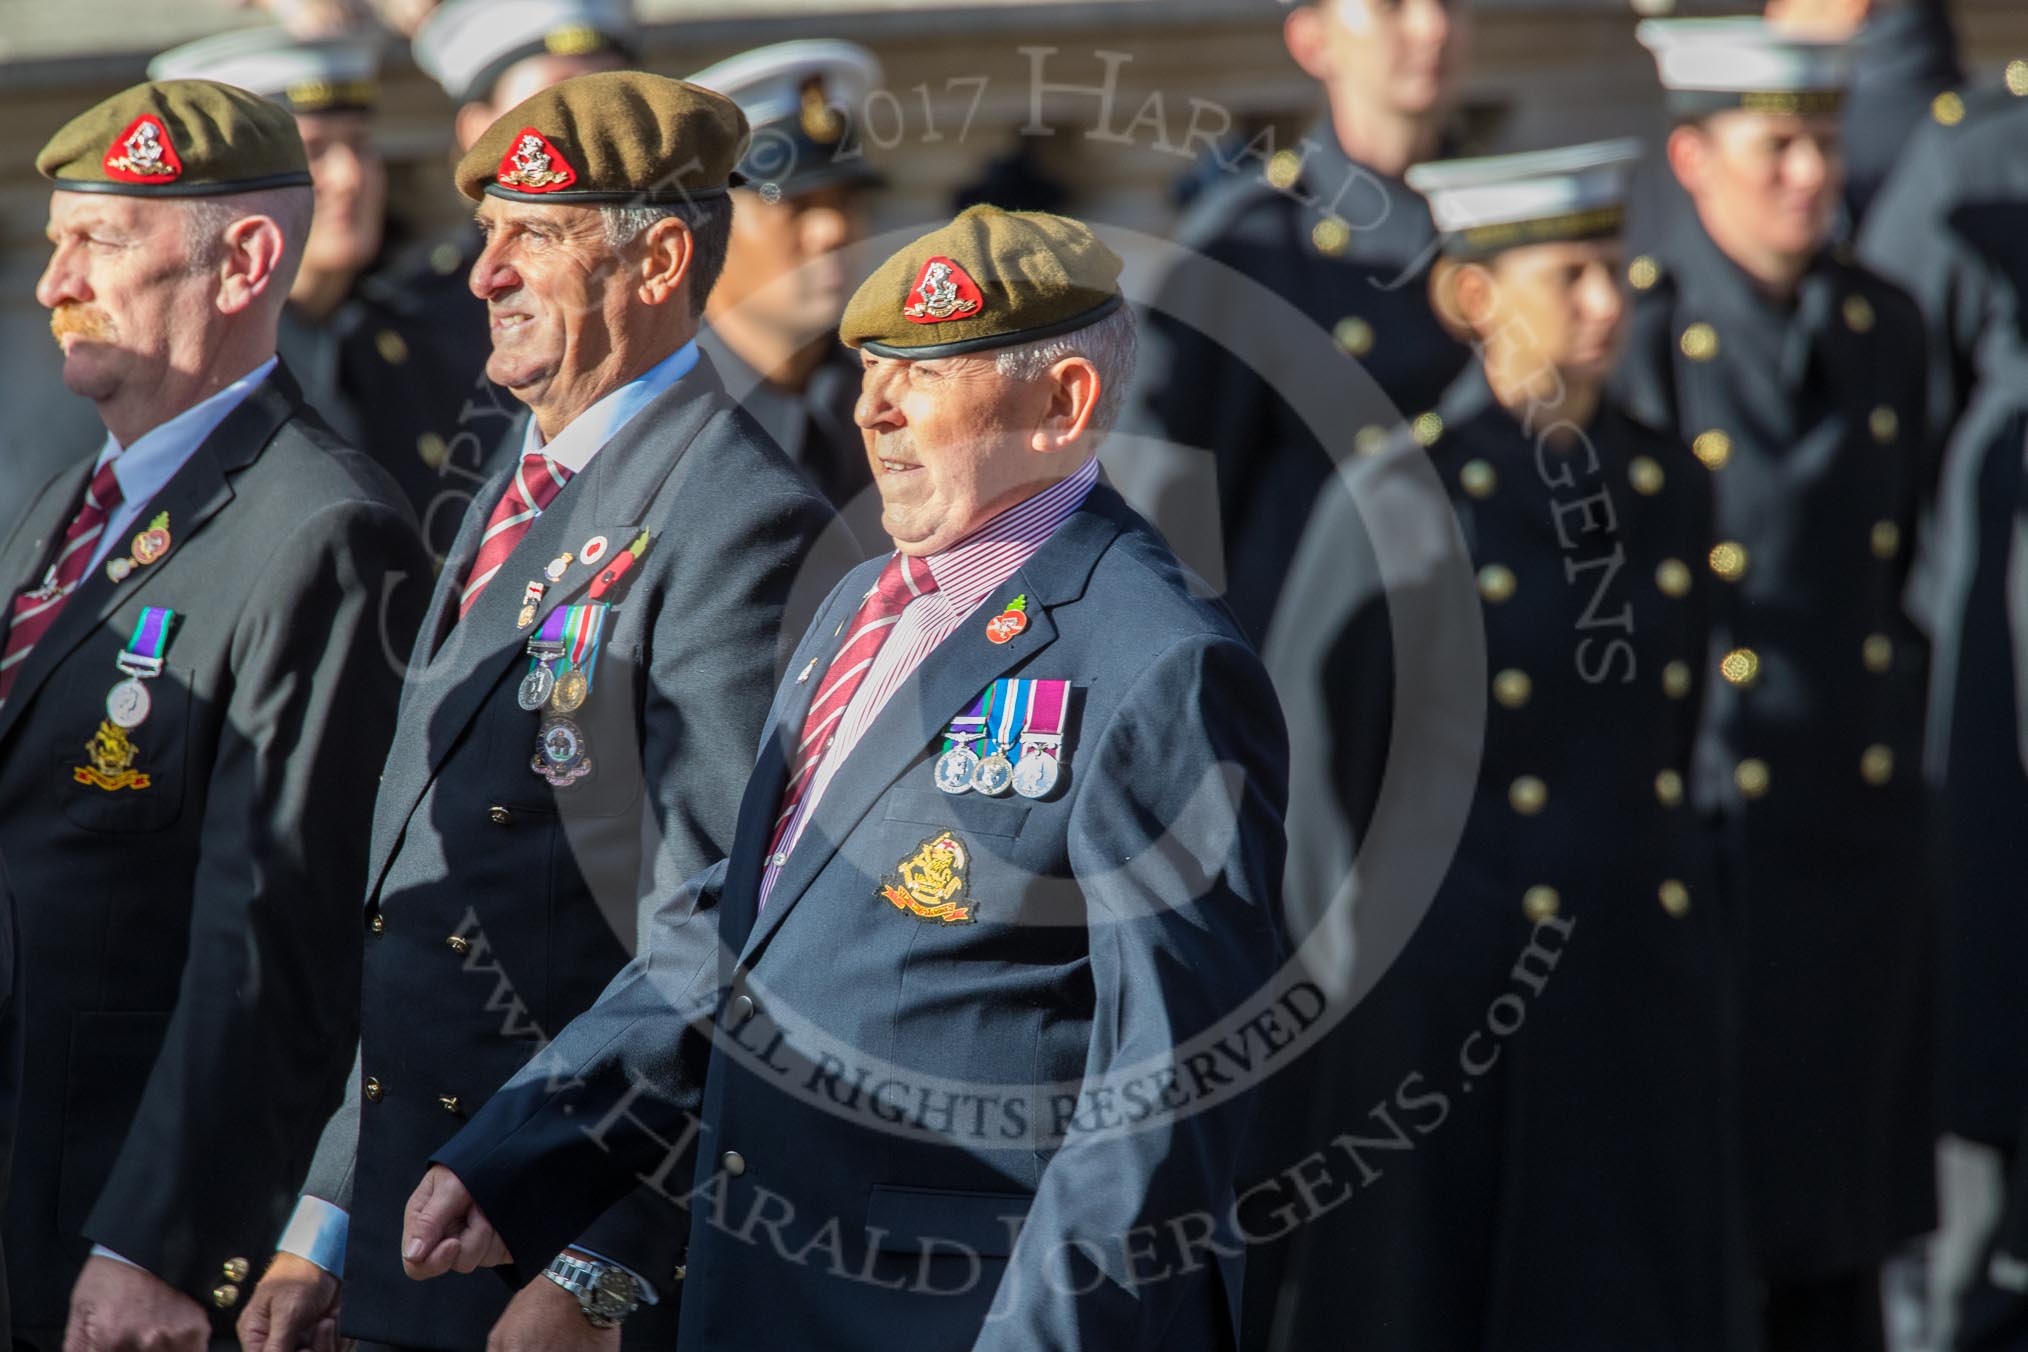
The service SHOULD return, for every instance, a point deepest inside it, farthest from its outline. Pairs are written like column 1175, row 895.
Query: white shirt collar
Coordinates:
column 578, row 442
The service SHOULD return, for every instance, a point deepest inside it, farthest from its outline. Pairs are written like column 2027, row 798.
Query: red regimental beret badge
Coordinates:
column 143, row 153
column 943, row 291
column 534, row 164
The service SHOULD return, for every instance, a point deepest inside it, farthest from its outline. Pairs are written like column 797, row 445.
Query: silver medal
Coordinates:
column 955, row 769
column 535, row 688
column 128, row 703
column 1036, row 774
column 993, row 775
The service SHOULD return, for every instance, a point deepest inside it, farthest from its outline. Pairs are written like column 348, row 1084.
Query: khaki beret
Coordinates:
column 617, row 137
column 177, row 138
column 990, row 278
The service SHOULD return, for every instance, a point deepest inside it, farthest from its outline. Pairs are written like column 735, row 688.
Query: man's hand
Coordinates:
column 543, row 1316
column 445, row 1231
column 295, row 1306
column 117, row 1307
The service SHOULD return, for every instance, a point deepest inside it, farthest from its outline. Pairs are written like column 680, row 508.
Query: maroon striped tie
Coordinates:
column 534, row 486
column 900, row 582
column 36, row 610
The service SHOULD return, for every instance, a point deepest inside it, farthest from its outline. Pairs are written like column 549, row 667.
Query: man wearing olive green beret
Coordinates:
column 201, row 639
column 585, row 700
column 1011, row 847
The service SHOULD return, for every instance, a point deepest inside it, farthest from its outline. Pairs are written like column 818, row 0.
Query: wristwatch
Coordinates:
column 605, row 1293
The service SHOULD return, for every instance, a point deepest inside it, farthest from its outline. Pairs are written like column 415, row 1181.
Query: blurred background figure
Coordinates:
column 792, row 262
column 1797, row 378
column 1563, row 1184
column 389, row 369
column 1319, row 235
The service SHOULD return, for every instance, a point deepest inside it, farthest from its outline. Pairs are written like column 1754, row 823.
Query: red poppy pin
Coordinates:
column 143, row 153
column 942, row 292
column 1008, row 622
column 534, row 164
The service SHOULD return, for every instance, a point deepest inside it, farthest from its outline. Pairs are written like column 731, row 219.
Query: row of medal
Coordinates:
column 1010, row 737
column 563, row 661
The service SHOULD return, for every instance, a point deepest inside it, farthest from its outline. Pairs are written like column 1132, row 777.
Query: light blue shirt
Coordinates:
column 318, row 1229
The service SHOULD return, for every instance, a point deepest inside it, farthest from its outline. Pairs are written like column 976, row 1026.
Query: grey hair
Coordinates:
column 710, row 222
column 1109, row 345
column 206, row 219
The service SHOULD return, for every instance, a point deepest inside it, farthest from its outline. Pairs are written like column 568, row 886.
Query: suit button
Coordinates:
column 236, row 1269
column 742, row 1009
column 449, row 1103
column 372, row 1090
column 459, row 943
column 1675, row 898
column 680, row 1273
column 733, row 1163
column 225, row 1295
column 1541, row 903
column 499, row 816
column 1752, row 777
column 377, row 923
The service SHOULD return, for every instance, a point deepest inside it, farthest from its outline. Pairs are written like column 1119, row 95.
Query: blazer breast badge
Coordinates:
column 932, row 883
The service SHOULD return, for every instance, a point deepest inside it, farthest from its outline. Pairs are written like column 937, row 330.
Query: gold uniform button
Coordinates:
column 225, row 1295
column 1512, row 688
column 1876, row 764
column 2017, row 79
column 1370, row 439
column 373, row 1090
column 1700, row 342
column 377, row 923
column 1884, row 423
column 1646, row 476
column 1877, row 652
column 1675, row 897
column 1947, row 108
column 1669, row 788
column 1354, row 335
column 1741, row 666
column 1885, row 539
column 1528, row 794
column 458, row 943
column 236, row 1269
column 1283, row 168
column 1428, row 428
column 432, row 449
column 733, row 1163
column 498, row 815
column 1858, row 314
column 1331, row 235
column 1496, row 582
column 1676, row 679
column 679, row 1272
column 1673, row 577
column 449, row 1103
column 1540, row 903
column 391, row 346
column 1714, row 448
column 1478, row 478
column 1728, row 560
column 1644, row 272
column 444, row 259
column 1751, row 775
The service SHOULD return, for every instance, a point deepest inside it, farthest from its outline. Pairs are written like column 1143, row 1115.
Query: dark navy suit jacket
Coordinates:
column 996, row 1133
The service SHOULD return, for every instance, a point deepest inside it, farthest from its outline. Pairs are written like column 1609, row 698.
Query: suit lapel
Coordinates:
column 960, row 667
column 196, row 494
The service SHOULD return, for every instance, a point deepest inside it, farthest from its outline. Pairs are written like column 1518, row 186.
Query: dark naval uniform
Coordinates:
column 1810, row 417
column 1316, row 243
column 1902, row 59
column 398, row 369
column 190, row 952
column 1498, row 651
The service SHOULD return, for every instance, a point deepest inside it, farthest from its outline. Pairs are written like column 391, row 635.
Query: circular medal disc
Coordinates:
column 535, row 688
column 128, row 703
column 994, row 775
column 1036, row 774
column 118, row 569
column 571, row 689
column 955, row 769
column 562, row 743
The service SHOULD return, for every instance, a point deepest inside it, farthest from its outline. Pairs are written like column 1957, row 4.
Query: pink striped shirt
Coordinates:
column 966, row 573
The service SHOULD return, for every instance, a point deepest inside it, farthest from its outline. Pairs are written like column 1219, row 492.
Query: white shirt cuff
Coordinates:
column 101, row 1251
column 317, row 1232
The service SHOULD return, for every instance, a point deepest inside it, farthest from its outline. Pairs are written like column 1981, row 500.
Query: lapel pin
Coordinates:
column 152, row 543
column 1009, row 622
column 555, row 569
column 593, row 550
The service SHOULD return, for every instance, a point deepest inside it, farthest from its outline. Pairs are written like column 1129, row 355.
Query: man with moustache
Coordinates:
column 1016, row 823
column 1796, row 375
column 585, row 700
column 773, row 316
column 390, row 371
column 202, row 649
column 1328, row 228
